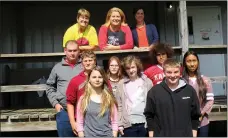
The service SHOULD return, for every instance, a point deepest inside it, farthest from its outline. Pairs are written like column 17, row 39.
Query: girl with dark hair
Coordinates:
column 159, row 53
column 144, row 35
column 202, row 86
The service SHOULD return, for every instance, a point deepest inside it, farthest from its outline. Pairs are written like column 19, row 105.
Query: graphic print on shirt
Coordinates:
column 158, row 78
column 116, row 38
column 155, row 74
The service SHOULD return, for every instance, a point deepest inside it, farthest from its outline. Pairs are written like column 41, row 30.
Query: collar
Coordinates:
column 64, row 63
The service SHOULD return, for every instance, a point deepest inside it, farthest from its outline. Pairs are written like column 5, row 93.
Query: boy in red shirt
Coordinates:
column 76, row 86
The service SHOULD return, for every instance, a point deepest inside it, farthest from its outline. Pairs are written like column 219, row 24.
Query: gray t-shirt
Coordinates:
column 95, row 126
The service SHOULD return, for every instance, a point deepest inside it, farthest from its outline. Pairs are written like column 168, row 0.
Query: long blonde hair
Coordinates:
column 107, row 99
column 122, row 15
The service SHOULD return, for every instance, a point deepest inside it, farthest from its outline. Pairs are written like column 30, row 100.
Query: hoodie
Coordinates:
column 172, row 113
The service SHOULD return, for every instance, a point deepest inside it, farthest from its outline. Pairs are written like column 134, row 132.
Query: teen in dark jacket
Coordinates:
column 172, row 107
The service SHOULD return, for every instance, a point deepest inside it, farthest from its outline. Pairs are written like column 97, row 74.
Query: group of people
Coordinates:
column 114, row 34
column 166, row 99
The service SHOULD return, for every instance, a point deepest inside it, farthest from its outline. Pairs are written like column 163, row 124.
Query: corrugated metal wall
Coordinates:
column 44, row 23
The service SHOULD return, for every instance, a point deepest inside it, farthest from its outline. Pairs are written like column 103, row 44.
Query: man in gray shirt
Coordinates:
column 57, row 83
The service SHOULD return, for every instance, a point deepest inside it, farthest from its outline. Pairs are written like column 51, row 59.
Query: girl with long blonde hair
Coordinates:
column 97, row 107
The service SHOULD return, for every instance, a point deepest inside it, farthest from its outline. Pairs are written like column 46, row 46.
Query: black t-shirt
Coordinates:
column 116, row 38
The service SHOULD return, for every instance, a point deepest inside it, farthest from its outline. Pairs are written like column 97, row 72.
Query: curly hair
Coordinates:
column 160, row 48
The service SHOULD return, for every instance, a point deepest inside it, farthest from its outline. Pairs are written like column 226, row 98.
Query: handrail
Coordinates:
column 135, row 50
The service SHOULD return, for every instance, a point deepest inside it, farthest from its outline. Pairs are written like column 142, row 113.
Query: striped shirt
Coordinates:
column 205, row 107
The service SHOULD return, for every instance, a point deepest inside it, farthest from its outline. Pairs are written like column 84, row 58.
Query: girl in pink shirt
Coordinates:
column 203, row 88
column 97, row 108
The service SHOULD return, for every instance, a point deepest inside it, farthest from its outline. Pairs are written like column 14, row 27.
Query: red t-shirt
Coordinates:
column 76, row 88
column 155, row 73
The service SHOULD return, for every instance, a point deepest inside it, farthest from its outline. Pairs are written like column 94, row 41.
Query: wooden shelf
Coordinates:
column 50, row 124
column 135, row 50
column 42, row 87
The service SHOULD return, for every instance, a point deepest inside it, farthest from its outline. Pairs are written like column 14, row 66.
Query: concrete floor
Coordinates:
column 216, row 129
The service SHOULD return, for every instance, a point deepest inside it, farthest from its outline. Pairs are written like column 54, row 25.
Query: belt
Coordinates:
column 137, row 124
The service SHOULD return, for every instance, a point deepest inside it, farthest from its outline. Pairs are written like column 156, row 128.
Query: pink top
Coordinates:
column 132, row 91
column 207, row 106
column 80, row 118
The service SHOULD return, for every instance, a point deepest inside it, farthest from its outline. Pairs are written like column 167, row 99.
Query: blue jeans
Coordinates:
column 136, row 130
column 63, row 124
column 203, row 131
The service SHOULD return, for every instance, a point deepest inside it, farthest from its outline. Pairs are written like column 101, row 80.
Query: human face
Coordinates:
column 115, row 18
column 72, row 52
column 161, row 57
column 192, row 63
column 132, row 71
column 83, row 21
column 114, row 67
column 96, row 79
column 172, row 75
column 88, row 63
column 139, row 16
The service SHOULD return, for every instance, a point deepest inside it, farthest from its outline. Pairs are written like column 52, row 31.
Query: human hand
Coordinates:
column 121, row 130
column 81, row 134
column 74, row 127
column 58, row 107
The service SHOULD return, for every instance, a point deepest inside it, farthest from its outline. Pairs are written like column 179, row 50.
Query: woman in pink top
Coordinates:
column 97, row 108
column 115, row 34
column 203, row 88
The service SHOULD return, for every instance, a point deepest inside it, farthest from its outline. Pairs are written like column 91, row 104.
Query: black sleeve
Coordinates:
column 149, row 110
column 195, row 110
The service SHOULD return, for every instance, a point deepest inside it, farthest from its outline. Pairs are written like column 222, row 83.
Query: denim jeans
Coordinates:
column 63, row 124
column 137, row 130
column 203, row 131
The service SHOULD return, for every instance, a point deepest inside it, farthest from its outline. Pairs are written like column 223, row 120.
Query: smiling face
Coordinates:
column 172, row 75
column 192, row 63
column 83, row 21
column 96, row 79
column 139, row 16
column 115, row 18
column 132, row 70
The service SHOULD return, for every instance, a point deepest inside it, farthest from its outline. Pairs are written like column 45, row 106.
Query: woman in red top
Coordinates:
column 159, row 54
column 115, row 34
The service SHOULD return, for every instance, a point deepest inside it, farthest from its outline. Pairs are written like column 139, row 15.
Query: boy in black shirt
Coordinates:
column 172, row 107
